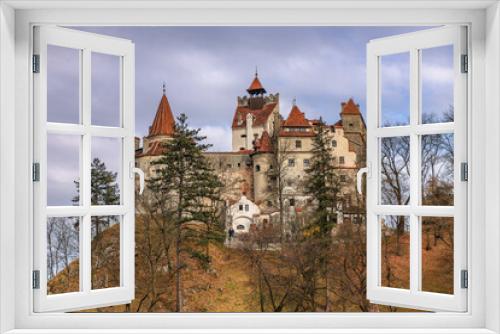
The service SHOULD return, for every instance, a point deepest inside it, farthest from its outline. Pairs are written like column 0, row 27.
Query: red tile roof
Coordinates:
column 264, row 145
column 260, row 115
column 296, row 118
column 350, row 108
column 163, row 124
column 156, row 148
column 255, row 85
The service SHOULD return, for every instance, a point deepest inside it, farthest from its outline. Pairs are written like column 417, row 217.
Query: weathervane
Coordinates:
column 164, row 88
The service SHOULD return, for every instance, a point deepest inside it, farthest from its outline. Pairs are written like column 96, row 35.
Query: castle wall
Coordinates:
column 235, row 171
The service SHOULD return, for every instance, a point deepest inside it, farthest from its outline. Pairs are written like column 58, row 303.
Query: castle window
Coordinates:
column 292, row 201
column 298, row 144
column 334, row 143
column 306, row 163
column 257, row 168
column 243, row 136
column 341, row 160
column 291, row 162
column 247, row 207
column 229, row 166
column 351, row 125
column 241, row 207
column 240, row 227
column 239, row 164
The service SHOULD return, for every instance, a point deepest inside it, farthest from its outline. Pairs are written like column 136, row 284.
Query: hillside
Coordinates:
column 226, row 284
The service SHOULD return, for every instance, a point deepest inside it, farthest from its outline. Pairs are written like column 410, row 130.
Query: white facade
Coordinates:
column 242, row 214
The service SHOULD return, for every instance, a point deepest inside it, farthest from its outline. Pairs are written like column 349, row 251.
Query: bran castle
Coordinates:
column 247, row 170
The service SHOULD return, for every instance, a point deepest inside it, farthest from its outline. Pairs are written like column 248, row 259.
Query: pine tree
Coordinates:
column 194, row 192
column 322, row 185
column 104, row 190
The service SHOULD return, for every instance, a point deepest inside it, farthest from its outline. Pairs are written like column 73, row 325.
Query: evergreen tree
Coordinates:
column 322, row 185
column 194, row 194
column 104, row 190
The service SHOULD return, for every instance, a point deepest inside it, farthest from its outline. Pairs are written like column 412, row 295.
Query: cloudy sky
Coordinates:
column 206, row 68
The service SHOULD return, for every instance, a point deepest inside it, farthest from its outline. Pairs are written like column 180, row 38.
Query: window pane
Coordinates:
column 63, row 253
column 105, row 251
column 106, row 90
column 437, row 169
column 106, row 171
column 63, row 84
column 395, row 89
column 395, row 239
column 63, row 169
column 395, row 170
column 437, row 254
column 436, row 73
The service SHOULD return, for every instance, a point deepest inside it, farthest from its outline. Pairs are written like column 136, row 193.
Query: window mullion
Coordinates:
column 85, row 233
column 414, row 171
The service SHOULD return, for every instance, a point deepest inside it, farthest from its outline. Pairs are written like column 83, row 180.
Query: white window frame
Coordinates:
column 16, row 19
column 86, row 44
column 412, row 44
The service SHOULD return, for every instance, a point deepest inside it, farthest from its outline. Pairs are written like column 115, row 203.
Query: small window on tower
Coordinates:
column 334, row 143
column 247, row 207
column 292, row 201
column 341, row 160
column 243, row 136
column 241, row 207
column 298, row 144
column 291, row 162
column 257, row 168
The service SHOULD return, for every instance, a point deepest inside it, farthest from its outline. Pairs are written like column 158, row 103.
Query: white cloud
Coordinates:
column 218, row 136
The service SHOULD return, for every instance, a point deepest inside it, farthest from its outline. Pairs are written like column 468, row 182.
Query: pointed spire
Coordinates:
column 264, row 143
column 296, row 118
column 163, row 124
column 294, row 101
column 256, row 87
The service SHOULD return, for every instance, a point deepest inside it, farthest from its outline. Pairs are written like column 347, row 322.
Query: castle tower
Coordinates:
column 354, row 129
column 262, row 161
column 255, row 113
column 256, row 92
column 162, row 128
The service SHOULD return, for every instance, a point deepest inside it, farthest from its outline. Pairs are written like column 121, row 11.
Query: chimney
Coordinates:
column 249, row 138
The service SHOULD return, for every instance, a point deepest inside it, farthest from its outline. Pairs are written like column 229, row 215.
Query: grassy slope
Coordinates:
column 226, row 286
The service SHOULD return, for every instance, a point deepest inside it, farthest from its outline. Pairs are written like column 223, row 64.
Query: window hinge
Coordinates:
column 36, row 63
column 465, row 64
column 36, row 279
column 464, row 279
column 36, row 172
column 464, row 171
